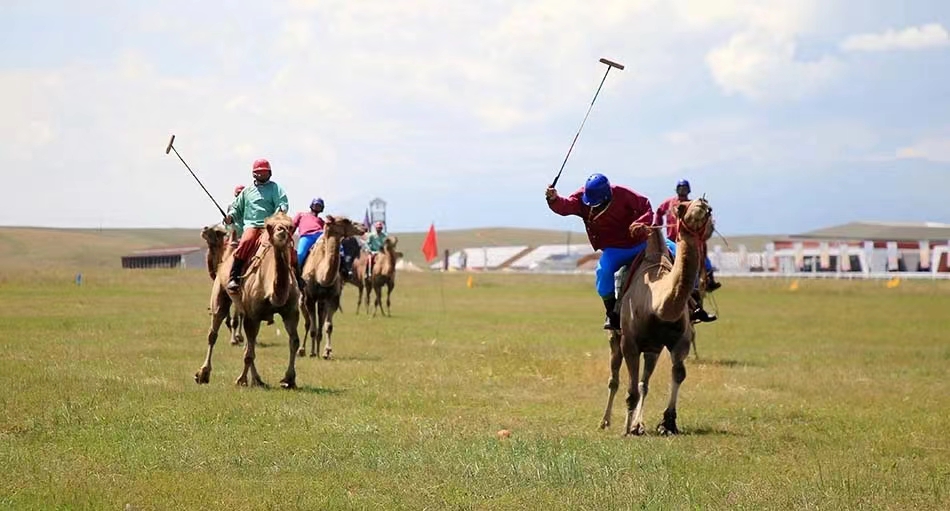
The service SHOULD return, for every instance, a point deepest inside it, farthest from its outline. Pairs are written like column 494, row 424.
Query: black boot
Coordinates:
column 697, row 313
column 612, row 319
column 711, row 284
column 234, row 284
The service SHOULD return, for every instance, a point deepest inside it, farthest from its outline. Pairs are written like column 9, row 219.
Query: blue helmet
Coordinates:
column 596, row 190
column 683, row 182
column 316, row 202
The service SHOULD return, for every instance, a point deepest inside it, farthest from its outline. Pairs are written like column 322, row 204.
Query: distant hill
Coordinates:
column 29, row 247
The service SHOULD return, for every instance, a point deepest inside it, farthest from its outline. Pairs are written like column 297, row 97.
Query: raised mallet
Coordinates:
column 171, row 147
column 610, row 64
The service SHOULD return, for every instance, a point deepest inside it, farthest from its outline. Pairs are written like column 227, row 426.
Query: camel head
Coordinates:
column 214, row 235
column 390, row 242
column 342, row 227
column 695, row 218
column 280, row 229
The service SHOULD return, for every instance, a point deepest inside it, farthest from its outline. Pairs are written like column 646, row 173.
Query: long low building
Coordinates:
column 867, row 247
column 173, row 257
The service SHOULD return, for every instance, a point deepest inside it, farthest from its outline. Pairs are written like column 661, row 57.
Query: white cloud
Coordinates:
column 762, row 66
column 933, row 149
column 759, row 59
column 350, row 100
column 932, row 35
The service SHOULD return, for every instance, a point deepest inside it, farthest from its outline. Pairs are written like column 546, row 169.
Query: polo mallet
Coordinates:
column 171, row 147
column 610, row 64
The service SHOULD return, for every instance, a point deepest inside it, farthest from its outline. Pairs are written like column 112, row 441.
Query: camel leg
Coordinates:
column 631, row 356
column 649, row 364
column 312, row 324
column 291, row 318
column 316, row 328
column 616, row 360
column 305, row 312
column 251, row 329
column 369, row 290
column 359, row 300
column 237, row 324
column 219, row 311
column 377, row 297
column 389, row 291
column 327, row 320
column 668, row 426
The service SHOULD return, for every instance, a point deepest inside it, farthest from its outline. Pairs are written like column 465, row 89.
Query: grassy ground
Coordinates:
column 831, row 397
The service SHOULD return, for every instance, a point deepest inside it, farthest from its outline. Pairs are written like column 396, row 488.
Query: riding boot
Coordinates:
column 237, row 266
column 711, row 284
column 612, row 319
column 697, row 313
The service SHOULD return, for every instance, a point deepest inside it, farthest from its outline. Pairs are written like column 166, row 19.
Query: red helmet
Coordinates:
column 238, row 189
column 261, row 165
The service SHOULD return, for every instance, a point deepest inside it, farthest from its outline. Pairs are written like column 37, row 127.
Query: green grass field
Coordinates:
column 834, row 396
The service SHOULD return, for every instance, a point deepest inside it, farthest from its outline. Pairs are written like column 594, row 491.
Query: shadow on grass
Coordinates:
column 323, row 391
column 722, row 362
column 708, row 431
column 356, row 358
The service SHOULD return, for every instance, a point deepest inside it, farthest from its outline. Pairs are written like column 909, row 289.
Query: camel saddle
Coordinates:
column 628, row 270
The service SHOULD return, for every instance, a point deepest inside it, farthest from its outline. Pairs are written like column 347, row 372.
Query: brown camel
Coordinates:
column 384, row 274
column 323, row 283
column 216, row 237
column 267, row 287
column 654, row 314
column 357, row 277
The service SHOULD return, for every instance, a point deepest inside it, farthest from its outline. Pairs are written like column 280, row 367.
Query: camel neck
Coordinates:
column 281, row 271
column 682, row 279
column 329, row 268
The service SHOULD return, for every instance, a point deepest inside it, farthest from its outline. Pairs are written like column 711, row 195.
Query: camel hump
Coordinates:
column 656, row 245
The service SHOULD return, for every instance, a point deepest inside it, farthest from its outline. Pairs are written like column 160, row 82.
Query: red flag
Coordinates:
column 429, row 246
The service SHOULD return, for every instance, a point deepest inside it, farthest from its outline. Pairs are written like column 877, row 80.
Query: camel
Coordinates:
column 267, row 287
column 654, row 314
column 384, row 274
column 216, row 237
column 323, row 283
column 357, row 277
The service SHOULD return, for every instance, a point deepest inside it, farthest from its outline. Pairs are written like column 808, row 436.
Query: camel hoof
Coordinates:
column 604, row 424
column 667, row 429
column 288, row 384
column 257, row 382
column 637, row 430
column 241, row 382
column 327, row 353
column 302, row 352
column 313, row 354
column 203, row 376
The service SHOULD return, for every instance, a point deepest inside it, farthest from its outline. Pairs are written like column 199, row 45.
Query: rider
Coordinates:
column 667, row 212
column 350, row 248
column 374, row 245
column 310, row 226
column 249, row 210
column 618, row 222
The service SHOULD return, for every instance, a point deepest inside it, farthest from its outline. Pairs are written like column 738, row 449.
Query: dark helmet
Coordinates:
column 596, row 190
column 316, row 202
column 683, row 182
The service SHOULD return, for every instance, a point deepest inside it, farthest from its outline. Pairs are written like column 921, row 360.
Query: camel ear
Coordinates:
column 398, row 255
column 395, row 240
column 331, row 219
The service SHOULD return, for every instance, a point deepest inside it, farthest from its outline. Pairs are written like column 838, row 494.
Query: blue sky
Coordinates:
column 789, row 114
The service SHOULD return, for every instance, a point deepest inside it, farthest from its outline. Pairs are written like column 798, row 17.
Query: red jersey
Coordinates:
column 609, row 228
column 667, row 211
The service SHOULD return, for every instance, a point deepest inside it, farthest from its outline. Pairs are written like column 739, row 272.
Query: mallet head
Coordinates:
column 612, row 64
column 170, row 142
